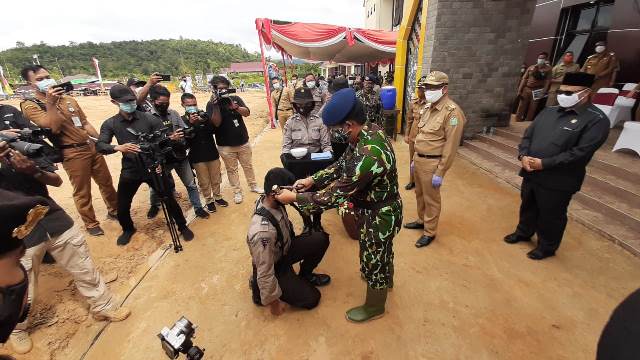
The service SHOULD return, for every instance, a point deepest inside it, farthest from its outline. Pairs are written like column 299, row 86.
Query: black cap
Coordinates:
column 338, row 84
column 302, row 96
column 136, row 82
column 371, row 78
column 19, row 213
column 121, row 93
column 578, row 79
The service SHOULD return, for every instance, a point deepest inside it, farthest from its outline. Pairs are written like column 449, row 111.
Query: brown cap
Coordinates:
column 437, row 78
column 421, row 82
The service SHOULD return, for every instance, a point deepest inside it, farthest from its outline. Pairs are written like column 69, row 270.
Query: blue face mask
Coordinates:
column 191, row 109
column 44, row 85
column 128, row 107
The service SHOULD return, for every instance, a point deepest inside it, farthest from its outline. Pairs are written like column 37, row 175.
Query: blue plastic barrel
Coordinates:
column 388, row 97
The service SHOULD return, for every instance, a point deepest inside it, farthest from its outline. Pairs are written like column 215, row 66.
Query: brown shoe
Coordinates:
column 95, row 231
column 113, row 315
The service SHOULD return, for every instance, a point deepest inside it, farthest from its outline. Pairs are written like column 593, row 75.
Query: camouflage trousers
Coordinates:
column 377, row 230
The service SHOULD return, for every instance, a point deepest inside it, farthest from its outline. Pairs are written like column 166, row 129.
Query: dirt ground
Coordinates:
column 468, row 295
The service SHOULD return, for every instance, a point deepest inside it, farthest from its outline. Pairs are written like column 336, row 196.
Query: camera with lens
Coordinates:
column 155, row 147
column 178, row 340
column 30, row 142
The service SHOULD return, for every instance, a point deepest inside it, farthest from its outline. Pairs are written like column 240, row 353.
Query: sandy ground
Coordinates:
column 468, row 295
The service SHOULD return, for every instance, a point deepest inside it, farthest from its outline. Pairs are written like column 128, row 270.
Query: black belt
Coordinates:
column 73, row 146
column 362, row 204
column 429, row 156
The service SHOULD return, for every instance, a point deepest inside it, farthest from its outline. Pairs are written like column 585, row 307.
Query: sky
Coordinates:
column 233, row 21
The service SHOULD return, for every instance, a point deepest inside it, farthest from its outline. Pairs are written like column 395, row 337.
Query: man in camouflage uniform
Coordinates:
column 417, row 108
column 371, row 101
column 604, row 65
column 365, row 178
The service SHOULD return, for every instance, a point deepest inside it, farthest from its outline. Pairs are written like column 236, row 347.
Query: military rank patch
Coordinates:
column 453, row 121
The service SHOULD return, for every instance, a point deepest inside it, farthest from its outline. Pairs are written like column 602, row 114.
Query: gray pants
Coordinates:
column 183, row 169
column 70, row 251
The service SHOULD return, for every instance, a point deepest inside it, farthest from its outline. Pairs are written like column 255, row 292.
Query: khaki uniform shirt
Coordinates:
column 265, row 253
column 440, row 131
column 602, row 66
column 309, row 133
column 72, row 130
column 417, row 109
column 531, row 81
column 558, row 71
column 285, row 99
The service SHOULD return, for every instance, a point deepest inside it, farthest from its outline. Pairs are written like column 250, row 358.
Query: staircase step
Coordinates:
column 594, row 206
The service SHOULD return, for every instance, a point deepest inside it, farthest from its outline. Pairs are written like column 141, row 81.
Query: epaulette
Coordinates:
column 451, row 107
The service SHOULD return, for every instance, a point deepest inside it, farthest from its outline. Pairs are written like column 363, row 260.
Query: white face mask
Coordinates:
column 600, row 49
column 568, row 101
column 541, row 61
column 44, row 85
column 311, row 84
column 276, row 86
column 433, row 95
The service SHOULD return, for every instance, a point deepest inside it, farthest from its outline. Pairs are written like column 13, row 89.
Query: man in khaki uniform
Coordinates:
column 557, row 74
column 603, row 64
column 274, row 248
column 536, row 78
column 281, row 101
column 52, row 109
column 417, row 108
column 56, row 234
column 439, row 134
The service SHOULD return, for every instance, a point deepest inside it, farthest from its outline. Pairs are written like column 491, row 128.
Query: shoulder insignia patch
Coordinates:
column 453, row 121
column 264, row 242
column 451, row 107
column 264, row 221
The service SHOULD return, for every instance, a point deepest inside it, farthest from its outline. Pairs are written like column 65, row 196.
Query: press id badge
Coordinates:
column 236, row 123
column 76, row 121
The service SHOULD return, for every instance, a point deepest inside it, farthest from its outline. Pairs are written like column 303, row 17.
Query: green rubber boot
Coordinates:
column 373, row 307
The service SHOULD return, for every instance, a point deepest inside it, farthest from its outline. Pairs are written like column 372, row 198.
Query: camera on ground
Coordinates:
column 178, row 340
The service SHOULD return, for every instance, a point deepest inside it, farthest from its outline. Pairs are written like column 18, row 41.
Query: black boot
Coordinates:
column 317, row 223
column 308, row 224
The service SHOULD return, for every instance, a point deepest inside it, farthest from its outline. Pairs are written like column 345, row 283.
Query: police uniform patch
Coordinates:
column 264, row 242
column 453, row 121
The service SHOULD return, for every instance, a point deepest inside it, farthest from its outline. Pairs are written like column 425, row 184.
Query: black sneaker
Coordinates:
column 317, row 279
column 125, row 237
column 187, row 234
column 201, row 213
column 153, row 212
column 211, row 207
column 222, row 202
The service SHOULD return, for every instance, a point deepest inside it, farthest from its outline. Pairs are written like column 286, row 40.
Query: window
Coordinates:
column 581, row 27
column 398, row 7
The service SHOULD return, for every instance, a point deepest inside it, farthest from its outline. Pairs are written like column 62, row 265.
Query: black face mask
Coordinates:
column 162, row 108
column 11, row 312
column 304, row 109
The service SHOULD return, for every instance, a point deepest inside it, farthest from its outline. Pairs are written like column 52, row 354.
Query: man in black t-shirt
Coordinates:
column 226, row 113
column 203, row 153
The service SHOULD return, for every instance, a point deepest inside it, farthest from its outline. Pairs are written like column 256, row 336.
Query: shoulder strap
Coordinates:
column 269, row 216
column 40, row 104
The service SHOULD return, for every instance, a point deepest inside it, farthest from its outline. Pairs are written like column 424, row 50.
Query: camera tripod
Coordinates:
column 159, row 182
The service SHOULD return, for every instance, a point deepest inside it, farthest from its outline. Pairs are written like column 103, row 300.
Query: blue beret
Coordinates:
column 336, row 110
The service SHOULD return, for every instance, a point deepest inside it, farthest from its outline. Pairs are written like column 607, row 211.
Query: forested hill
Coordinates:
column 124, row 58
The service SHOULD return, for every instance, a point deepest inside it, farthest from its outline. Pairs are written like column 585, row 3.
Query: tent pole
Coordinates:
column 284, row 66
column 267, row 86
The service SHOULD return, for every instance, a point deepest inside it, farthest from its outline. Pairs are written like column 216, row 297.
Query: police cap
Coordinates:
column 336, row 110
column 19, row 214
column 302, row 95
column 437, row 78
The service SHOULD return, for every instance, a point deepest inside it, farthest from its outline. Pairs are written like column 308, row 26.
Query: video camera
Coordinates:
column 155, row 146
column 190, row 131
column 177, row 340
column 28, row 142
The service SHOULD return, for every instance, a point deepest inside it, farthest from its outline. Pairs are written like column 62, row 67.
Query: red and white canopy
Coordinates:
column 320, row 42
